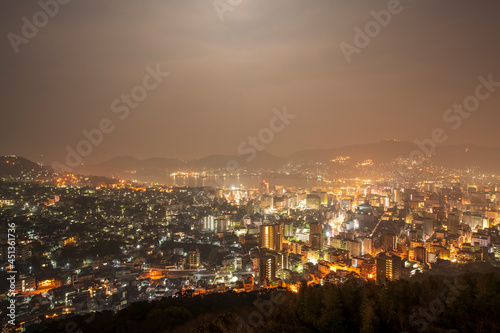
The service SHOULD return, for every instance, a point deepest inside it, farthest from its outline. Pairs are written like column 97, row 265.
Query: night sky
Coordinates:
column 226, row 76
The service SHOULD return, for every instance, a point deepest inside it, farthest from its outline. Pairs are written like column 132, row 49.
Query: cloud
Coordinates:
column 227, row 76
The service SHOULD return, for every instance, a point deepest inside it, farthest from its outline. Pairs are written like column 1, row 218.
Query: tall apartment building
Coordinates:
column 271, row 237
column 389, row 267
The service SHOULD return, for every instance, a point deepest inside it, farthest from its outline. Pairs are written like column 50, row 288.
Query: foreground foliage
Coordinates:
column 467, row 303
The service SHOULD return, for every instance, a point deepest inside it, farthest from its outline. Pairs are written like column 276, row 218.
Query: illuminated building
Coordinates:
column 346, row 204
column 481, row 240
column 315, row 228
column 396, row 196
column 426, row 225
column 284, row 259
column 496, row 250
column 390, row 242
column 338, row 243
column 316, row 241
column 316, row 238
column 208, row 223
column 388, row 267
column 354, row 247
column 248, row 282
column 267, row 202
column 453, row 222
column 475, row 221
column 413, row 235
column 67, row 241
column 271, row 237
column 323, row 198
column 368, row 269
column 267, row 270
column 287, row 229
column 420, row 254
column 194, row 259
column 368, row 247
column 284, row 274
column 221, row 225
column 25, row 283
column 313, row 201
column 263, row 188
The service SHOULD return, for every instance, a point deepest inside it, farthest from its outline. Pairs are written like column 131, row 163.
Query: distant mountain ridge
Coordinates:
column 378, row 152
column 454, row 156
column 118, row 166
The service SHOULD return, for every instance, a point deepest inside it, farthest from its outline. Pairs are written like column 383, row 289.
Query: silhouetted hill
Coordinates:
column 16, row 166
column 452, row 157
column 126, row 165
column 381, row 152
column 487, row 158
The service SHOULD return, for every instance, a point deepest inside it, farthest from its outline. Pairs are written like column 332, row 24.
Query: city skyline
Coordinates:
column 250, row 166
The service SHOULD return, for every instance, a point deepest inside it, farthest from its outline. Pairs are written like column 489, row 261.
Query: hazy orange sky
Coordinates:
column 227, row 76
